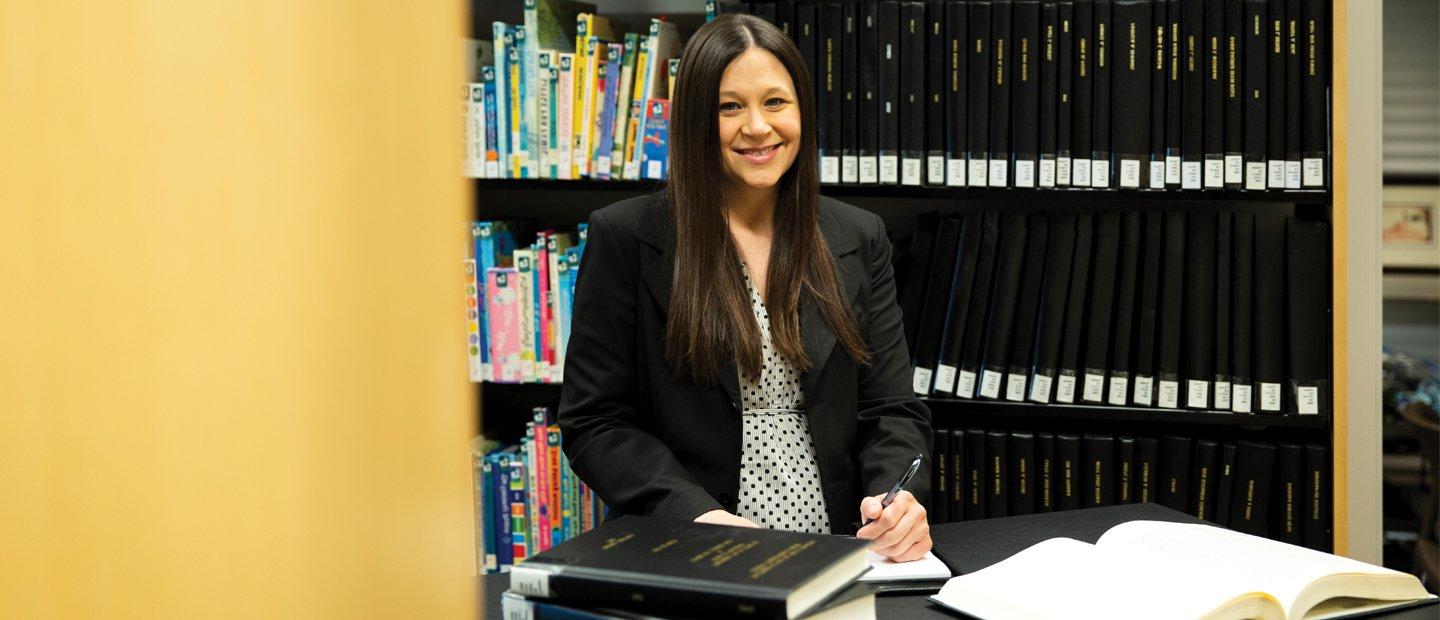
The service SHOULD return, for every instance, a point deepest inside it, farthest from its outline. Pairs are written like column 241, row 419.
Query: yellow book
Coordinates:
column 637, row 109
column 577, row 105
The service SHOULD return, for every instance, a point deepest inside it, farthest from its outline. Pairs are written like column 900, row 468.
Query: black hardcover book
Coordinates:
column 1125, row 477
column 1175, row 472
column 976, row 483
column 1269, row 310
column 1172, row 317
column 1207, row 456
column 1049, row 66
column 1067, row 374
column 1027, row 309
column 1223, row 307
column 1100, row 97
column 1132, row 70
column 889, row 78
column 978, row 107
column 1225, row 488
column 1046, row 460
column 1275, row 77
column 912, row 92
column 1148, row 310
column 1242, row 348
column 850, row 95
column 1289, row 525
column 979, row 313
column 1234, row 93
column 1005, row 291
column 1200, row 311
column 785, row 18
column 957, row 34
column 633, row 558
column 997, row 474
column 867, row 78
column 1023, row 478
column 1256, row 93
column 1315, row 63
column 938, row 510
column 957, row 327
column 1308, row 302
column 1069, row 471
column 957, row 475
column 1174, row 92
column 1059, row 255
column 1292, row 94
column 1102, row 306
column 1214, row 70
column 1002, row 60
column 1192, row 89
column 915, row 284
column 765, row 11
column 1082, row 142
column 1127, row 280
column 937, row 63
column 1250, row 503
column 937, row 300
column 807, row 35
column 1317, row 497
column 1099, row 473
column 1159, row 86
column 1027, row 45
column 1147, row 470
column 829, row 88
column 1065, row 93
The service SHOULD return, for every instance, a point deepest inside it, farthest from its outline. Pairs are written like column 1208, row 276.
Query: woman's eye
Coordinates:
column 729, row 106
column 774, row 102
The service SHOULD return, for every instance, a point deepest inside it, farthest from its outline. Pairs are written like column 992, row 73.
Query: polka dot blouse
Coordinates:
column 779, row 479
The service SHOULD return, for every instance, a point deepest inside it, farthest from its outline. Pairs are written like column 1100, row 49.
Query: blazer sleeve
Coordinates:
column 631, row 469
column 893, row 424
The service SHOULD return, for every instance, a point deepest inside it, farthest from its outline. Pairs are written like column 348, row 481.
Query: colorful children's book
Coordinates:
column 605, row 133
column 542, row 116
column 473, row 342
column 519, row 518
column 492, row 138
column 524, row 267
column 502, row 309
column 504, row 40
column 657, row 138
column 622, row 104
column 521, row 128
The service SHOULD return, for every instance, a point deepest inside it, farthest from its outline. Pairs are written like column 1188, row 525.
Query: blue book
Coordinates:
column 526, row 90
column 484, row 241
column 500, row 510
column 514, row 605
column 492, row 138
column 519, row 506
column 605, row 142
column 656, row 145
column 567, row 298
column 504, row 40
column 537, row 298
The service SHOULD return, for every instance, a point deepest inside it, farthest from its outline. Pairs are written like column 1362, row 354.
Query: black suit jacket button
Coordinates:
column 734, row 405
column 727, row 500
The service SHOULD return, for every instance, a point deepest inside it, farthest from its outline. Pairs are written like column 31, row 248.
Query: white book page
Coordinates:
column 885, row 569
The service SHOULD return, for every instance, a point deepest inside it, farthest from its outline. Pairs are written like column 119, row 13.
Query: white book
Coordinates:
column 565, row 125
column 475, row 130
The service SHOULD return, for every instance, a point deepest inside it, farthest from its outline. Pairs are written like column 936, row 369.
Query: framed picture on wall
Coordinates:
column 1410, row 227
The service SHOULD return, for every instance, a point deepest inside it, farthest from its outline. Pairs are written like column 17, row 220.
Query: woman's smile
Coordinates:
column 760, row 155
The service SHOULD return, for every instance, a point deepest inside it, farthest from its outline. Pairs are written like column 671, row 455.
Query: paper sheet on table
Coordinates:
column 926, row 568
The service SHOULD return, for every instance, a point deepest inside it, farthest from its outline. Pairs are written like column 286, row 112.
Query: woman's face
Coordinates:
column 759, row 119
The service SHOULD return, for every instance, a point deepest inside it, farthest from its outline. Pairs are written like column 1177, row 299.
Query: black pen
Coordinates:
column 895, row 490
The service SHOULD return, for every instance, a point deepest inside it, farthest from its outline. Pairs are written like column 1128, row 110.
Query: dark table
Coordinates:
column 973, row 545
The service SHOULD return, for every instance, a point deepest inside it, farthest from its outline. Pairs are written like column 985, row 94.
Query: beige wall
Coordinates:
column 230, row 379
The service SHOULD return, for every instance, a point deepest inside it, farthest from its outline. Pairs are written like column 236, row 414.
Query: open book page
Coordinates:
column 1299, row 578
column 926, row 568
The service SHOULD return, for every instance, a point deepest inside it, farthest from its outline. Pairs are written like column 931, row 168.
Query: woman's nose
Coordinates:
column 756, row 124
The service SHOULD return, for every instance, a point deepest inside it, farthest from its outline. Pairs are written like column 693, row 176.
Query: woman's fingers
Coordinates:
column 904, row 533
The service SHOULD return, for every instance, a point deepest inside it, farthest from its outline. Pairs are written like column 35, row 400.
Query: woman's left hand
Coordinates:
column 899, row 531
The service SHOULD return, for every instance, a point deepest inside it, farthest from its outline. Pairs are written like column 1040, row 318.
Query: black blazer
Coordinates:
column 650, row 444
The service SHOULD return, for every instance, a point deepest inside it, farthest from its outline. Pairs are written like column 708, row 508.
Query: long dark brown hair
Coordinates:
column 710, row 312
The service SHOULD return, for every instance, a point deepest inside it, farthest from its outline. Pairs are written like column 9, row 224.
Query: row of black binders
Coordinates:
column 1208, row 309
column 1158, row 94
column 1279, row 491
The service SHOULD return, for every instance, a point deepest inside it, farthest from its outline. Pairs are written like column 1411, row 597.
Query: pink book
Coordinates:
column 542, row 486
column 502, row 307
column 542, row 277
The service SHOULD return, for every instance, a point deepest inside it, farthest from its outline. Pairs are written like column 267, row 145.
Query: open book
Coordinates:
column 1150, row 569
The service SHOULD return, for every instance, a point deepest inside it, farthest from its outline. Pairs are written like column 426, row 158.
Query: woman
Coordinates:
column 737, row 355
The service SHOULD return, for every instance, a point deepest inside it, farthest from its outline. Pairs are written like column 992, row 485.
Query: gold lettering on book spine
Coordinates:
column 759, row 570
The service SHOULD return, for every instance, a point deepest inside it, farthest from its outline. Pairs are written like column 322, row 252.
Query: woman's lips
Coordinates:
column 760, row 156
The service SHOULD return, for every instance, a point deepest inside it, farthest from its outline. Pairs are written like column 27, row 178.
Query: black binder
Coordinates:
column 785, row 18
column 850, row 94
column 1207, row 457
column 1059, row 256
column 1099, row 474
column 1100, row 95
column 1250, row 503
column 807, row 35
column 957, row 326
column 1314, row 142
column 1159, row 85
column 1125, row 470
column 1046, row 459
column 1005, row 291
column 1200, row 310
column 978, row 107
column 1002, row 61
column 957, row 475
column 937, row 300
column 1049, row 63
column 997, row 474
column 980, row 291
column 1127, row 281
column 765, row 11
column 938, row 510
column 890, row 78
column 1147, row 470
column 1317, row 497
column 1215, row 75
column 1022, row 473
column 1147, row 313
column 1223, row 308
column 976, row 485
column 915, row 283
column 1132, row 70
column 1068, row 373
column 1102, row 306
column 1289, row 525
column 957, row 34
column 1242, row 349
column 1084, row 93
column 829, row 90
column 1269, row 331
column 1234, row 94
column 1069, row 471
column 936, row 63
column 1192, row 88
column 1256, row 93
column 1175, row 472
column 1025, row 78
column 1292, row 94
column 1275, row 72
column 1027, row 309
column 912, row 92
column 1174, row 95
column 867, row 76
column 1225, row 488
column 1308, row 294
column 1065, row 93
column 1172, row 300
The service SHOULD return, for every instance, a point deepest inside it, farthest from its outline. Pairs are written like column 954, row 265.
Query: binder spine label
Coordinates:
column 1169, row 396
column 1062, row 171
column 1094, row 391
column 1119, row 388
column 1080, row 175
column 1065, row 389
column 990, row 383
column 999, row 172
column 1276, row 174
column 945, row 379
column 1015, row 387
column 1099, row 173
column 530, row 581
column 1234, row 169
column 1129, row 173
column 1307, row 400
column 1025, row 173
column 1190, row 175
column 849, row 169
column 1292, row 175
column 1255, row 175
column 1047, row 173
column 869, row 170
column 921, row 381
column 1269, row 396
column 1197, row 394
column 1172, row 169
column 935, row 173
column 1222, row 395
column 889, row 169
column 1157, row 174
column 829, row 169
column 1313, row 172
column 965, row 385
column 977, row 172
column 1240, row 398
column 1040, row 388
column 909, row 171
column 1214, row 173
column 955, row 172
column 1144, row 390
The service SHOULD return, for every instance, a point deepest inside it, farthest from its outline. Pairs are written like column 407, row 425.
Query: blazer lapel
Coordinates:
column 815, row 332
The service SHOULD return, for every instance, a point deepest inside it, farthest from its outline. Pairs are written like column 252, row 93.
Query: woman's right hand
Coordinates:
column 721, row 517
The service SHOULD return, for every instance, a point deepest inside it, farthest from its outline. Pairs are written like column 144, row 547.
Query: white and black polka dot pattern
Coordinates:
column 779, row 479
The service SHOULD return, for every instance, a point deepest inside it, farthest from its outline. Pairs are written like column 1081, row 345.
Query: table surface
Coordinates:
column 972, row 545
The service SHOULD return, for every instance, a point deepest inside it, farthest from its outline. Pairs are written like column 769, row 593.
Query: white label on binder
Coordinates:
column 1307, row 400
column 1292, row 175
column 829, row 169
column 1214, row 173
column 1129, row 173
column 1025, row 173
column 1234, row 169
column 849, row 169
column 1190, row 175
column 990, row 384
column 910, row 171
column 530, row 581
column 1222, row 395
column 1197, row 394
column 1100, row 173
column 1172, row 169
column 955, row 172
column 869, row 170
column 654, row 169
column 1169, row 396
column 1065, row 389
column 999, row 172
column 935, row 175
column 1080, row 175
column 604, row 163
column 1094, row 388
column 1276, row 174
column 1144, row 390
column 922, row 381
column 1047, row 173
column 1040, row 389
column 1157, row 174
column 1062, row 171
column 1269, row 396
column 945, row 379
column 977, row 172
column 889, row 169
column 1119, row 386
column 1255, row 175
column 1015, row 387
column 1240, row 398
column 965, row 387
column 517, row 608
column 492, row 169
column 1313, row 171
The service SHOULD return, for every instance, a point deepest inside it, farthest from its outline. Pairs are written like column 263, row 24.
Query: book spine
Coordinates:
column 1002, row 64
column 536, row 80
column 473, row 338
column 523, row 88
column 486, row 560
column 564, row 117
column 1123, row 322
column 957, row 20
column 1069, row 471
column 1214, row 108
column 1256, row 93
column 1225, row 487
column 1224, row 381
column 1100, row 140
column 1131, row 72
column 1174, row 95
column 997, row 474
column 559, row 512
column 1028, row 46
column 1147, row 470
column 938, row 508
column 1099, row 474
column 519, row 516
column 1207, row 458
column 912, row 93
column 1200, row 310
column 1125, row 470
column 1192, row 89
column 830, row 91
column 1293, row 79
column 1315, row 144
column 1275, row 78
column 504, row 40
column 867, row 109
column 978, row 106
column 1234, row 112
column 1159, row 86
column 849, row 60
column 890, row 91
column 975, row 479
column 1065, row 92
column 624, row 96
column 1250, row 503
column 1046, row 460
column 1022, row 480
column 937, row 65
column 1289, row 525
column 600, row 587
column 1083, row 140
column 957, row 475
column 1317, row 497
column 1049, row 59
column 1175, row 472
